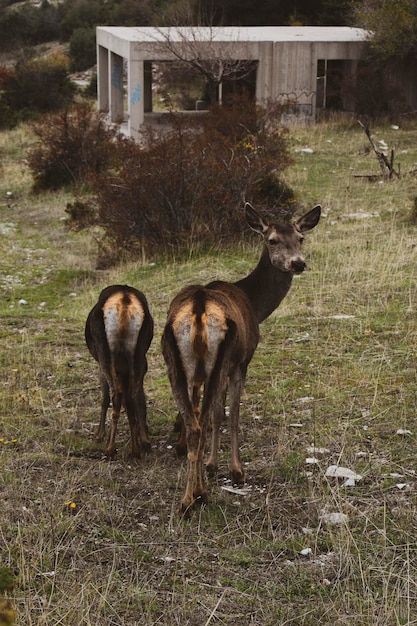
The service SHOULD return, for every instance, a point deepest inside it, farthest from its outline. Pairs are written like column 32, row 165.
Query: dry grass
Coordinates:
column 335, row 370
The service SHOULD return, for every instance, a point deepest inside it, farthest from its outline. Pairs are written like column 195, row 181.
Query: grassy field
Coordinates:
column 333, row 382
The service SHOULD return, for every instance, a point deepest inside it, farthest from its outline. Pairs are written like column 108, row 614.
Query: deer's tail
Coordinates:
column 199, row 334
column 123, row 318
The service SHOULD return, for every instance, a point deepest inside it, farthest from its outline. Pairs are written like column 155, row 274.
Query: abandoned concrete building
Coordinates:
column 301, row 67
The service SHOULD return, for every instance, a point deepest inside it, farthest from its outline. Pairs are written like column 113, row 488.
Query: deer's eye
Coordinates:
column 273, row 242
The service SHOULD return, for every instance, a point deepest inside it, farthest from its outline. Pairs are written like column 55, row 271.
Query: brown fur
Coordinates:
column 118, row 333
column 210, row 337
column 126, row 306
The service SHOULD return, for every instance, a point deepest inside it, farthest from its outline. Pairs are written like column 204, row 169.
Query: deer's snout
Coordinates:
column 298, row 266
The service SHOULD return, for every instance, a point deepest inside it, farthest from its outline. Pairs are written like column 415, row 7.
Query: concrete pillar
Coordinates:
column 147, row 76
column 103, row 79
column 265, row 77
column 314, row 86
column 136, row 98
column 116, row 89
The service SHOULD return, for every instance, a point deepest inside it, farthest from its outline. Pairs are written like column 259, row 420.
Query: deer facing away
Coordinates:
column 210, row 337
column 118, row 333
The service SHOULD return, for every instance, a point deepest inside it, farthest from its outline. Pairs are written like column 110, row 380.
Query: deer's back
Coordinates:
column 119, row 326
column 201, row 318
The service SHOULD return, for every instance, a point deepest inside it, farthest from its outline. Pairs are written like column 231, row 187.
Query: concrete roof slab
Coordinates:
column 235, row 34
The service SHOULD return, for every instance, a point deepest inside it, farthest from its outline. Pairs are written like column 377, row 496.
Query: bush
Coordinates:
column 81, row 214
column 374, row 91
column 36, row 86
column 8, row 117
column 189, row 183
column 82, row 49
column 90, row 91
column 186, row 184
column 73, row 145
column 81, row 14
column 28, row 25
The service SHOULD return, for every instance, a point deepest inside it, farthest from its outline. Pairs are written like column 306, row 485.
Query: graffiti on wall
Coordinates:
column 298, row 103
column 136, row 96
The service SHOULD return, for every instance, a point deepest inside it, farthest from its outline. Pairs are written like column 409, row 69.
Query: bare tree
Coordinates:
column 199, row 47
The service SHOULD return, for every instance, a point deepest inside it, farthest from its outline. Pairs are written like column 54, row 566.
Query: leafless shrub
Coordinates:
column 73, row 144
column 189, row 183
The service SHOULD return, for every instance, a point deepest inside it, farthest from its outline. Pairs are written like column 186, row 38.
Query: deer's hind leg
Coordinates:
column 217, row 391
column 181, row 444
column 191, row 435
column 132, row 415
column 141, row 414
column 237, row 381
column 116, row 399
column 105, row 403
column 216, row 420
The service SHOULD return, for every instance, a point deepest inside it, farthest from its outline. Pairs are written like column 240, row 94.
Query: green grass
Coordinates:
column 335, row 369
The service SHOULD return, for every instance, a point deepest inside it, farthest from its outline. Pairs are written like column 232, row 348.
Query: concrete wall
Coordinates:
column 287, row 70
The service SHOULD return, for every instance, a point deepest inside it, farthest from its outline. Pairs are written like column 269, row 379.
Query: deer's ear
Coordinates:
column 254, row 220
column 309, row 220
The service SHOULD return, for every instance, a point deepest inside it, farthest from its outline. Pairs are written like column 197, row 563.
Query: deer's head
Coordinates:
column 283, row 240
